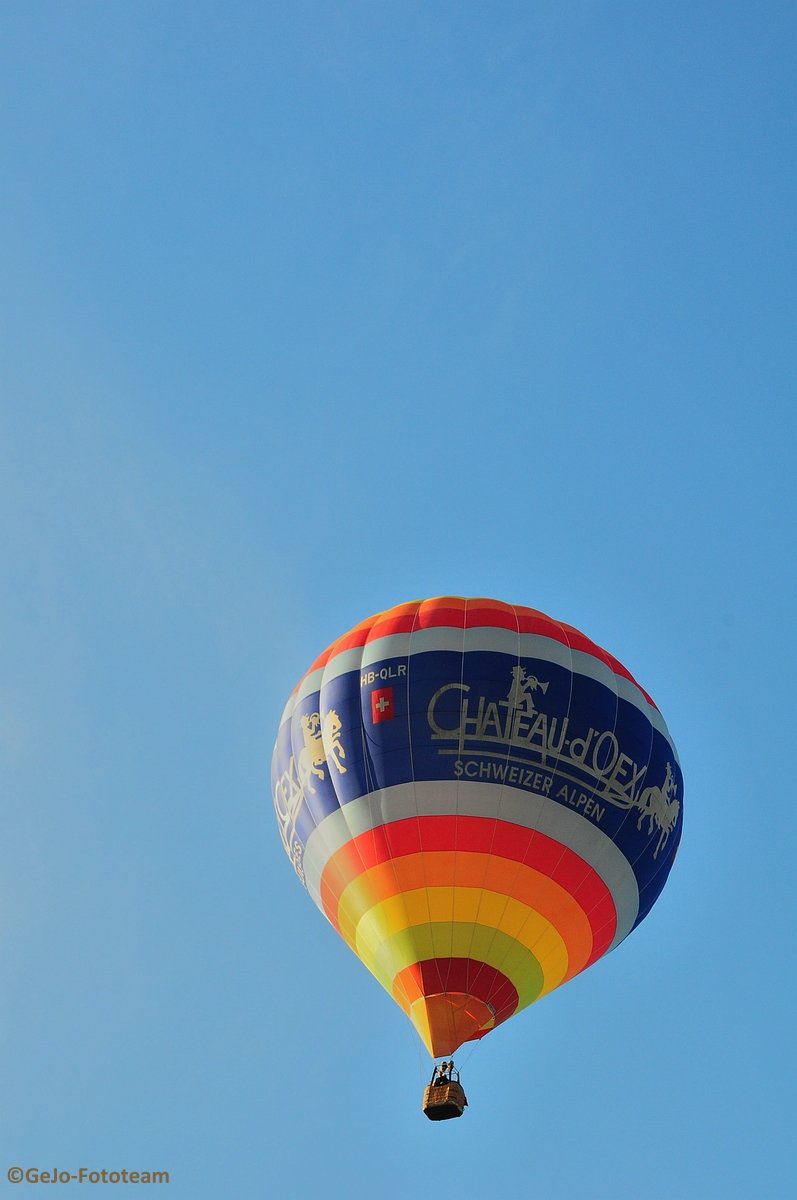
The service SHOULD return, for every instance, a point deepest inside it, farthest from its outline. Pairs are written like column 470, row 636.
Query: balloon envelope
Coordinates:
column 480, row 800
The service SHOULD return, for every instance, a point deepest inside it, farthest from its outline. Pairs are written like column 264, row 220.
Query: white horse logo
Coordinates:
column 313, row 756
column 330, row 735
column 661, row 808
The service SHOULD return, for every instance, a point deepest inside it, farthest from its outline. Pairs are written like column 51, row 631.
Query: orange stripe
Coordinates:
column 388, row 844
column 448, row 868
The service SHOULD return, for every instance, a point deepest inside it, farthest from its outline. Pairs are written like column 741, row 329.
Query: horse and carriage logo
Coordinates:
column 658, row 804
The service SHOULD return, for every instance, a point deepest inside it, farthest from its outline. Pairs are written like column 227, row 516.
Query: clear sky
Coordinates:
column 307, row 309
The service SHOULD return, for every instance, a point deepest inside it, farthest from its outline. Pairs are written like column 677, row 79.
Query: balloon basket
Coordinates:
column 443, row 1101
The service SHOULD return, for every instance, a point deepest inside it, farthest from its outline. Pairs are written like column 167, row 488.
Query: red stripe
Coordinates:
column 453, row 612
column 467, row 975
column 482, row 835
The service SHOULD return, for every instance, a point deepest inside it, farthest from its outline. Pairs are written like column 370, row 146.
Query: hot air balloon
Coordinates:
column 481, row 801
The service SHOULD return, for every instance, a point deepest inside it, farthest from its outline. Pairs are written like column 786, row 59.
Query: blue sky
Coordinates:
column 306, row 310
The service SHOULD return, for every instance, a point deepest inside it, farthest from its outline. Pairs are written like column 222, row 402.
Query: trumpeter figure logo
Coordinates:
column 523, row 686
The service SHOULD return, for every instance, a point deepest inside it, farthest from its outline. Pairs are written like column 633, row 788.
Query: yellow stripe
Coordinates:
column 400, row 920
column 486, row 945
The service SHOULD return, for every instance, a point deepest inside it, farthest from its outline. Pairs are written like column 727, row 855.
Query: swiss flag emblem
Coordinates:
column 382, row 705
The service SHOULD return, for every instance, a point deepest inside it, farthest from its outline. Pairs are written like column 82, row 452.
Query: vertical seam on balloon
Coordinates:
column 648, row 843
column 665, row 863
column 375, row 790
column 496, row 820
column 450, row 955
column 415, row 621
column 274, row 762
column 599, row 656
column 294, row 730
column 294, row 735
column 621, row 826
column 343, row 807
column 534, row 829
column 456, row 802
column 602, row 656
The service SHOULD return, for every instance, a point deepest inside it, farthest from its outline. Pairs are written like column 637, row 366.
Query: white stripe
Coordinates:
column 444, row 797
column 482, row 638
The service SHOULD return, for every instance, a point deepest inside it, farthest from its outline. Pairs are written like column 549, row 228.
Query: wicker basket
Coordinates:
column 442, row 1101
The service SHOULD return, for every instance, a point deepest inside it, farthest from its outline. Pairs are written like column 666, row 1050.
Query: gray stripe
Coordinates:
column 487, row 638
